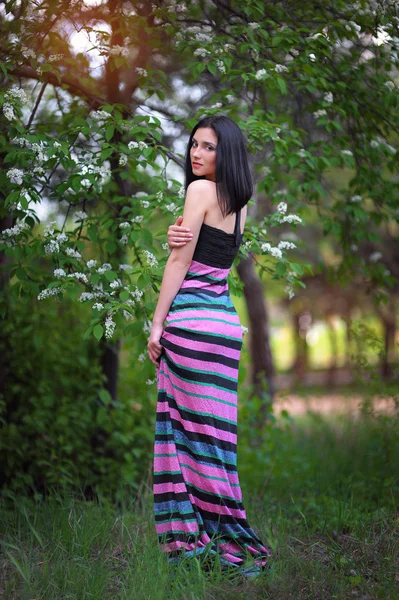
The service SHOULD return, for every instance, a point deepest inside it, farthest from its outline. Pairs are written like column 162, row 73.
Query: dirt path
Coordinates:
column 334, row 403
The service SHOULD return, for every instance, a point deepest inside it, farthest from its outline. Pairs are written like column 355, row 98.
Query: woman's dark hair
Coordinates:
column 233, row 178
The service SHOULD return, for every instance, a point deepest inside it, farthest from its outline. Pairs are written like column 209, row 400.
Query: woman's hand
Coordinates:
column 178, row 236
column 154, row 345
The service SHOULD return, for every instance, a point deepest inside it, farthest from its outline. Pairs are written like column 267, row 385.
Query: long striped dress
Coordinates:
column 197, row 497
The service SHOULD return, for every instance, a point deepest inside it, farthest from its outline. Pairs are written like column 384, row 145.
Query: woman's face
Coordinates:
column 203, row 153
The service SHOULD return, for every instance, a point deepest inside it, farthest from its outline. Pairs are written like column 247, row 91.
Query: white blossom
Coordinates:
column 147, row 326
column 58, row 273
column 137, row 294
column 150, row 381
column 124, row 240
column 159, row 196
column 61, row 238
column 115, row 284
column 276, row 252
column 320, row 113
column 141, row 72
column 15, row 176
column 52, row 247
column 181, row 193
column 49, row 292
column 109, row 326
column 281, row 208
column 98, row 306
column 347, row 152
column 312, row 57
column 86, row 183
column 201, row 52
column 16, row 93
column 100, row 115
column 165, row 246
column 280, row 68
column 150, row 259
column 230, row 98
column 124, row 225
column 283, row 245
column 390, row 85
column 217, row 105
column 73, row 253
column 302, row 153
column 171, row 207
column 126, row 267
column 374, row 143
column 142, row 356
column 91, row 263
column 137, row 219
column 329, row 97
column 290, row 219
column 253, row 25
column 104, row 267
column 118, row 51
column 79, row 276
column 356, row 199
column 221, row 66
column 123, row 160
column 354, row 248
column 80, row 215
column 144, row 203
column 290, row 291
column 375, row 256
column 8, row 111
column 244, row 329
column 14, row 231
column 260, row 74
column 294, row 52
column 391, row 148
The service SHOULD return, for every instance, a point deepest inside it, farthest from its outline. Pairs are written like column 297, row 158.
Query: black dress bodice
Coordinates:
column 216, row 247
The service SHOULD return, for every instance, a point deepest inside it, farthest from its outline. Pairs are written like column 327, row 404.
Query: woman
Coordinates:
column 197, row 496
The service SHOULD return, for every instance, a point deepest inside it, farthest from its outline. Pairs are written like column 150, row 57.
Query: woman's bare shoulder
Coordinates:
column 202, row 185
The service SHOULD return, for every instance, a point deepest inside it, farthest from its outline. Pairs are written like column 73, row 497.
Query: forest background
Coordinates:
column 98, row 98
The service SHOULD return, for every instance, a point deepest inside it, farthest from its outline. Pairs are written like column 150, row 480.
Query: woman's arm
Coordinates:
column 178, row 262
column 177, row 235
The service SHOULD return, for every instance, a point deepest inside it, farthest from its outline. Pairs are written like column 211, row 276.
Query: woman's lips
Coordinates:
column 195, row 164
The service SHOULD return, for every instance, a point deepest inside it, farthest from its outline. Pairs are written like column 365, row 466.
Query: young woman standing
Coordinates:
column 197, row 497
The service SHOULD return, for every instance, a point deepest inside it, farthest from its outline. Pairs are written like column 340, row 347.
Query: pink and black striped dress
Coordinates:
column 197, row 497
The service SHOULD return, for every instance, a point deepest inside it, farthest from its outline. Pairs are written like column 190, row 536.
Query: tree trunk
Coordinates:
column 260, row 350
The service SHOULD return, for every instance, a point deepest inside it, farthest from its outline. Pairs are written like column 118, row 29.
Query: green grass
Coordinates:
column 322, row 494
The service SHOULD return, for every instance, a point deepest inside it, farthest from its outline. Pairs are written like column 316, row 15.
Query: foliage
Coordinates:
column 326, row 507
column 59, row 427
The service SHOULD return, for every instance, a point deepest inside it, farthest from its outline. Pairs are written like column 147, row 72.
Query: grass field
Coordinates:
column 322, row 493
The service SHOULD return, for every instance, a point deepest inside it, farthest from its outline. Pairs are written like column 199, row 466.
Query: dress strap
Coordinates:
column 237, row 228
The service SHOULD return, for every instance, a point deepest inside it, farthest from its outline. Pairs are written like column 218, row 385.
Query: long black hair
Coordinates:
column 233, row 178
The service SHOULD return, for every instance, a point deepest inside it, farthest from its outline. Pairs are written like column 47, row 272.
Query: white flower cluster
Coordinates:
column 254, row 26
column 284, row 245
column 55, row 57
column 320, row 113
column 73, row 253
column 356, row 199
column 100, row 115
column 80, row 215
column 347, row 152
column 244, row 329
column 375, row 256
column 91, row 263
column 49, row 292
column 230, row 98
column 142, row 356
column 147, row 326
column 281, row 208
column 125, row 267
column 8, row 235
column 280, row 68
column 124, row 225
column 144, row 203
column 135, row 145
column 14, row 94
column 138, row 219
column 150, row 259
column 123, row 160
column 302, row 153
column 118, row 51
column 141, row 72
column 217, row 105
column 150, row 381
column 312, row 57
column 159, row 196
column 79, row 277
column 259, row 75
column 329, row 97
column 290, row 219
column 52, row 247
column 104, row 267
column 201, row 52
column 86, row 166
column 109, row 326
column 15, row 176
column 115, row 284
column 98, row 306
column 58, row 273
column 221, row 66
column 269, row 249
column 390, row 85
column 165, row 246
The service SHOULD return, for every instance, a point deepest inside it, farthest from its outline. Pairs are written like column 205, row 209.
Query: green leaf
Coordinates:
column 98, row 332
column 109, row 132
column 110, row 275
column 124, row 295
